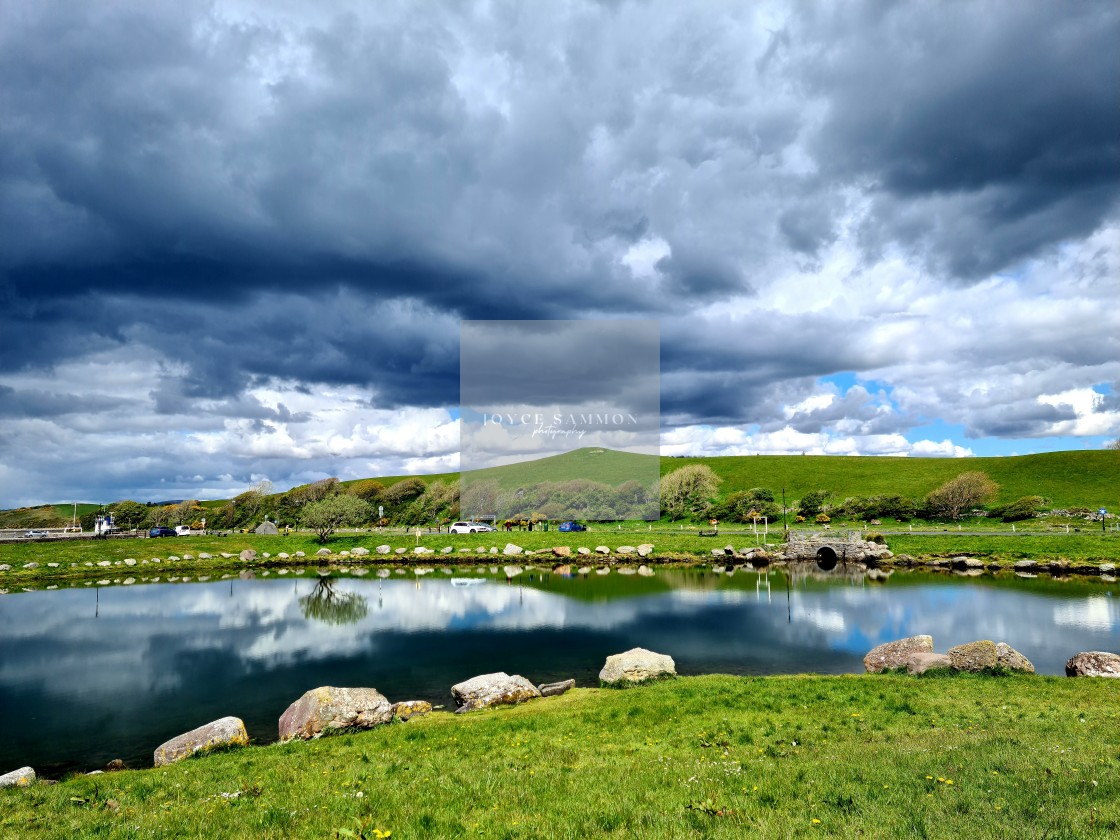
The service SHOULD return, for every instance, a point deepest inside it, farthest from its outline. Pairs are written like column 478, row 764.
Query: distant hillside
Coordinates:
column 1068, row 479
column 43, row 516
column 1077, row 478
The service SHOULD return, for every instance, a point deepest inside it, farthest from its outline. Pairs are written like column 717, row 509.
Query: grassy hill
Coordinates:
column 1085, row 478
column 1077, row 478
column 1088, row 478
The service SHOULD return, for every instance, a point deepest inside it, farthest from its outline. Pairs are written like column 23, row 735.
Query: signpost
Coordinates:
column 1102, row 513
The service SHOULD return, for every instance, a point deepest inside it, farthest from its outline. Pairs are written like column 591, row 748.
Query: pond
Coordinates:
column 89, row 674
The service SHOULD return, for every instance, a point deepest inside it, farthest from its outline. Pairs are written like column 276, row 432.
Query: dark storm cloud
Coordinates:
column 724, row 370
column 1026, row 421
column 44, row 404
column 987, row 131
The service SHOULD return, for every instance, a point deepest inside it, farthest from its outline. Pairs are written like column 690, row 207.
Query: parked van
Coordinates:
column 183, row 530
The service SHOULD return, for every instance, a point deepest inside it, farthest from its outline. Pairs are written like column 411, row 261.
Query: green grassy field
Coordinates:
column 773, row 757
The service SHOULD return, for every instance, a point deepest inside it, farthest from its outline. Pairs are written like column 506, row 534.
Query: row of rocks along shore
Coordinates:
column 329, row 708
column 850, row 554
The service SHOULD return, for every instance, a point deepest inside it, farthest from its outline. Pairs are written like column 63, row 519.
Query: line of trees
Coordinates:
column 692, row 492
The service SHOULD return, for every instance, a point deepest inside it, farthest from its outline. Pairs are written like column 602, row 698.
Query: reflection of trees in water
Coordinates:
column 331, row 606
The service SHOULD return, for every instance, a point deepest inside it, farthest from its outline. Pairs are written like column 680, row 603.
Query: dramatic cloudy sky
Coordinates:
column 237, row 238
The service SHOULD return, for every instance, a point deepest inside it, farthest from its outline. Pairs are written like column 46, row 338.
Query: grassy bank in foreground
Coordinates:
column 867, row 756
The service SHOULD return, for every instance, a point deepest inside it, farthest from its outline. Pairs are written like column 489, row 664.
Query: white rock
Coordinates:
column 637, row 665
column 22, row 777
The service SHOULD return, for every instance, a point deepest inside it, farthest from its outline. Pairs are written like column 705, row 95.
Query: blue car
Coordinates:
column 571, row 526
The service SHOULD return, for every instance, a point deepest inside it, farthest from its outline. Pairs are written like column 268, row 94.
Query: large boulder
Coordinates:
column 492, row 690
column 891, row 655
column 562, row 551
column 248, row 555
column 22, row 777
column 920, row 662
column 224, row 732
column 326, row 708
column 1011, row 660
column 383, row 549
column 637, row 665
column 645, row 549
column 974, row 656
column 359, row 551
column 323, row 552
column 1093, row 663
column 511, row 549
column 267, row 528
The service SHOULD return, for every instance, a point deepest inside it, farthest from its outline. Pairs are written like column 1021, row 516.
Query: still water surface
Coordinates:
column 92, row 674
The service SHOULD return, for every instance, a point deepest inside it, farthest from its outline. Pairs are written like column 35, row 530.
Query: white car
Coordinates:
column 470, row 528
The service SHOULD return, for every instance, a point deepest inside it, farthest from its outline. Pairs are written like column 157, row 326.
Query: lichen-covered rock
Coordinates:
column 407, row 709
column 327, row 707
column 625, row 549
column 891, row 655
column 561, row 551
column 919, row 663
column 510, row 550
column 637, row 665
column 1093, row 663
column 1010, row 659
column 556, row 688
column 602, row 549
column 583, row 550
column 323, row 552
column 22, row 777
column 248, row 555
column 492, row 690
column 224, row 732
column 645, row 549
column 359, row 551
column 974, row 656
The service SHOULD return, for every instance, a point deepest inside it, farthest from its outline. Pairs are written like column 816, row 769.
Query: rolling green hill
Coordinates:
column 1068, row 479
column 1080, row 478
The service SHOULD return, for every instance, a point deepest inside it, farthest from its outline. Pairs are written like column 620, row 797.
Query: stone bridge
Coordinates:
column 827, row 551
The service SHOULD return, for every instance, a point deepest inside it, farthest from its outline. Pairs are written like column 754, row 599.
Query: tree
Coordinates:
column 1024, row 508
column 1114, row 445
column 960, row 494
column 404, row 491
column 185, row 512
column 689, row 490
column 813, row 502
column 369, row 489
column 325, row 603
column 327, row 515
column 129, row 514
